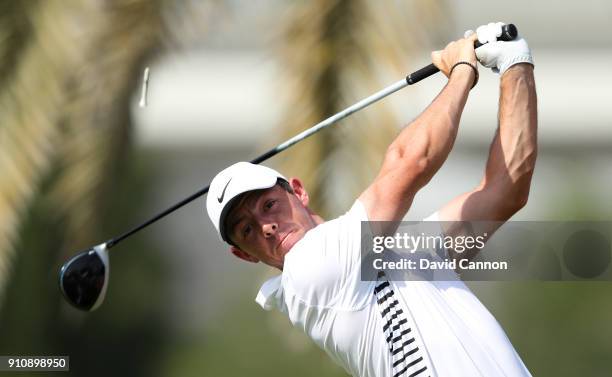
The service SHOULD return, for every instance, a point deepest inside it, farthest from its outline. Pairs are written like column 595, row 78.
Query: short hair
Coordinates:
column 284, row 184
column 240, row 199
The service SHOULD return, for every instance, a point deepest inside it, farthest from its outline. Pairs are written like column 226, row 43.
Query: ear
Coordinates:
column 299, row 191
column 243, row 255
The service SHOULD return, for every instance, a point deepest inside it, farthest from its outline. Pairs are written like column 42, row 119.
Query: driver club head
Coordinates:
column 84, row 278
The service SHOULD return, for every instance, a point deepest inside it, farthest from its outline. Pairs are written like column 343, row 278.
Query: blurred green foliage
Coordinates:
column 558, row 328
column 241, row 342
column 126, row 335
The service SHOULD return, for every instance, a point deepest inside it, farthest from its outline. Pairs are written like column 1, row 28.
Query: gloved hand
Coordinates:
column 499, row 55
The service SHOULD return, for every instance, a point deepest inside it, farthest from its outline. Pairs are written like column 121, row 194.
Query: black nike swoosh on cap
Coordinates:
column 220, row 199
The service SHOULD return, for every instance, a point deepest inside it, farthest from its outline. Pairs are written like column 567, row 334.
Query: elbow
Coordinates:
column 513, row 205
column 521, row 185
column 513, row 183
column 506, row 202
column 517, row 194
column 511, row 195
column 519, row 200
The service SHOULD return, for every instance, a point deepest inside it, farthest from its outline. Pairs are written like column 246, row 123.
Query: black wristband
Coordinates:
column 472, row 66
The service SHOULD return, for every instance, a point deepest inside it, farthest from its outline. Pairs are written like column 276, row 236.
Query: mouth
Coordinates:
column 285, row 244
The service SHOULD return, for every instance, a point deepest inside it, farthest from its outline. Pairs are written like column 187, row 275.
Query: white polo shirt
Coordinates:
column 384, row 328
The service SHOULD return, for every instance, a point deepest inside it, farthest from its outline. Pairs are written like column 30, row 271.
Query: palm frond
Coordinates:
column 96, row 127
column 64, row 108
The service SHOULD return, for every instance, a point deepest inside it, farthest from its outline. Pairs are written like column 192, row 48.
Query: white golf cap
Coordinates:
column 230, row 183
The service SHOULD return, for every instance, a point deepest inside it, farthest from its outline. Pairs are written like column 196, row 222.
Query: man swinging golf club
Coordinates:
column 387, row 328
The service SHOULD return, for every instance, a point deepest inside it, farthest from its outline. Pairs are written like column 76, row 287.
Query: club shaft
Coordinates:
column 274, row 151
column 332, row 119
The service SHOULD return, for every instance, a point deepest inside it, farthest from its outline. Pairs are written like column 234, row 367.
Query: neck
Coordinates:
column 317, row 219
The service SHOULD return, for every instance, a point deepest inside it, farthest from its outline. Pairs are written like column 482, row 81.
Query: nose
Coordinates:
column 269, row 229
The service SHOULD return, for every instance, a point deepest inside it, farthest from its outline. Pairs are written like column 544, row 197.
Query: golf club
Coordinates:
column 84, row 278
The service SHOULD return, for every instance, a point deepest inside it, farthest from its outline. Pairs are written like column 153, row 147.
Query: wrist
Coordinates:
column 524, row 59
column 516, row 72
column 465, row 70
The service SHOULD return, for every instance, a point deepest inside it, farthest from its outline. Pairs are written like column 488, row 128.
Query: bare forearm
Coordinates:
column 429, row 139
column 421, row 148
column 513, row 152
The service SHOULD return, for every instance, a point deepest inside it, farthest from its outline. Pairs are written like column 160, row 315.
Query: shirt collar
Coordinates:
column 268, row 296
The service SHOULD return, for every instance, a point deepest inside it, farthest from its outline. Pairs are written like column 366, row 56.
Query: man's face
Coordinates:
column 266, row 224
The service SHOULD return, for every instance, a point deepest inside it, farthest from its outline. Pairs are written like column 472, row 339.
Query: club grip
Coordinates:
column 509, row 32
column 422, row 73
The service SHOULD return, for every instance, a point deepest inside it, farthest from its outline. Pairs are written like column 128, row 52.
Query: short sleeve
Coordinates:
column 433, row 217
column 436, row 229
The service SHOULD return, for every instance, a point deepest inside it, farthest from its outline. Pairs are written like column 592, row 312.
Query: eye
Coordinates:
column 246, row 231
column 269, row 204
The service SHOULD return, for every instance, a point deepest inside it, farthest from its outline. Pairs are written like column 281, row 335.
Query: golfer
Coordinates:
column 386, row 327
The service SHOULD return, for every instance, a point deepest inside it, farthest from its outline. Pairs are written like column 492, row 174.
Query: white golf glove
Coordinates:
column 499, row 55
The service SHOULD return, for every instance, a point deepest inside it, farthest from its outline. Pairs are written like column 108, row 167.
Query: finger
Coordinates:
column 472, row 37
column 468, row 33
column 487, row 33
column 498, row 29
column 436, row 57
column 482, row 34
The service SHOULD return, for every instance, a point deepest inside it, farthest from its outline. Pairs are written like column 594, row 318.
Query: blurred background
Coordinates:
column 80, row 162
